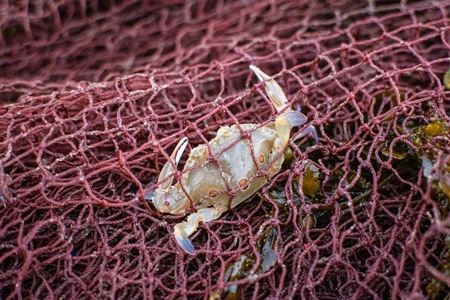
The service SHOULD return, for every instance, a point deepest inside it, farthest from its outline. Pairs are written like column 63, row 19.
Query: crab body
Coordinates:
column 235, row 169
column 232, row 167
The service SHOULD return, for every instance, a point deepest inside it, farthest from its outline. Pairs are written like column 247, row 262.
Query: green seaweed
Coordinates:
column 421, row 135
column 427, row 152
column 399, row 150
column 311, row 183
column 447, row 79
column 246, row 263
column 311, row 188
column 437, row 289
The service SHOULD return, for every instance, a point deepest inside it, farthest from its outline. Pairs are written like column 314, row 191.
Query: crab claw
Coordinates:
column 169, row 167
column 160, row 196
column 273, row 90
column 184, row 230
column 290, row 118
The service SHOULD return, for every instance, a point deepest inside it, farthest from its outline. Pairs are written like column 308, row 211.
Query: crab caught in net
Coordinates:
column 229, row 169
column 95, row 96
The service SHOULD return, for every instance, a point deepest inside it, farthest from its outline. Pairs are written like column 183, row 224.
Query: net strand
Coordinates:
column 95, row 95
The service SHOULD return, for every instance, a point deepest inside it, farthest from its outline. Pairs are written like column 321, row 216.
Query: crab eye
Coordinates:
column 212, row 193
column 261, row 158
column 243, row 183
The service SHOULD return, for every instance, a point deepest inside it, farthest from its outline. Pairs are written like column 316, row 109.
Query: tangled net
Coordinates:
column 95, row 95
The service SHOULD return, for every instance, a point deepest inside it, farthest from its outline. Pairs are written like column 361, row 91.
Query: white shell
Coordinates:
column 235, row 169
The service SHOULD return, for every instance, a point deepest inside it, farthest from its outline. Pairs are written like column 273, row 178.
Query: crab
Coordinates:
column 236, row 164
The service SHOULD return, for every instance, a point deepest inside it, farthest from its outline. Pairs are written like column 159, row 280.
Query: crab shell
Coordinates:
column 237, row 170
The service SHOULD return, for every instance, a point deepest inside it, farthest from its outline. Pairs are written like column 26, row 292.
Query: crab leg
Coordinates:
column 309, row 130
column 283, row 125
column 184, row 230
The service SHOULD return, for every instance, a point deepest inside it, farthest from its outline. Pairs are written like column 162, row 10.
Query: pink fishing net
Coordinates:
column 94, row 96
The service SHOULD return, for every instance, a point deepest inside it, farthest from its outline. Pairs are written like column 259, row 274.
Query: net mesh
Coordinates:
column 94, row 96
